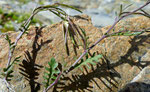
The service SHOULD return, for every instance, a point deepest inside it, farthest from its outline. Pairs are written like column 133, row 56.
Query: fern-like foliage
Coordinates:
column 7, row 72
column 92, row 60
column 52, row 72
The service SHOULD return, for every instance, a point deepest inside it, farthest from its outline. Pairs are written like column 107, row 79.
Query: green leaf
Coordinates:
column 93, row 63
column 44, row 83
column 81, row 68
column 127, row 6
column 45, row 78
column 88, row 61
column 57, row 14
column 60, row 11
column 56, row 71
column 1, row 11
column 53, row 63
column 10, row 76
column 8, row 39
column 5, row 69
column 46, row 74
column 10, row 72
column 17, row 58
column 53, row 77
column 132, row 34
column 128, row 33
column 50, row 76
column 88, row 66
column 120, row 10
column 68, row 6
column 47, row 68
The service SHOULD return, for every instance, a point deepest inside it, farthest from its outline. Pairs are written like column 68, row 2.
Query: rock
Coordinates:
column 5, row 87
column 136, row 87
column 102, row 12
column 143, row 76
column 141, row 83
column 29, row 7
column 124, row 56
column 99, row 17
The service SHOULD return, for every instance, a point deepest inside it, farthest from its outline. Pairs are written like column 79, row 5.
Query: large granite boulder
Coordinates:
column 123, row 56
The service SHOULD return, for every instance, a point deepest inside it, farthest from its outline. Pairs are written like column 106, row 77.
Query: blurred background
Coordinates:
column 102, row 12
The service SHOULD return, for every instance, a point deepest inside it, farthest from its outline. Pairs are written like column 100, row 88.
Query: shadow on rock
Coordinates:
column 82, row 82
column 105, row 71
column 129, row 58
column 29, row 68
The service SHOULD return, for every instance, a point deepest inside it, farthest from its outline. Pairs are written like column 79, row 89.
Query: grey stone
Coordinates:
column 136, row 87
column 5, row 87
column 141, row 83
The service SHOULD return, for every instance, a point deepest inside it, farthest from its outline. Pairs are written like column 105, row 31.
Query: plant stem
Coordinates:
column 58, row 77
column 23, row 30
column 104, row 36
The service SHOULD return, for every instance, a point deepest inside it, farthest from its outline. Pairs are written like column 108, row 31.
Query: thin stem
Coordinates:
column 138, row 13
column 58, row 77
column 104, row 36
column 144, row 30
column 8, row 85
column 12, row 48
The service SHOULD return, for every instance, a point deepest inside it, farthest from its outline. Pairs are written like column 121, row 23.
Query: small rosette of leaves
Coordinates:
column 52, row 72
column 92, row 60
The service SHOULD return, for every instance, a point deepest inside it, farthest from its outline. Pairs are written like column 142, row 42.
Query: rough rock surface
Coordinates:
column 143, row 76
column 136, row 87
column 141, row 83
column 5, row 87
column 124, row 58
